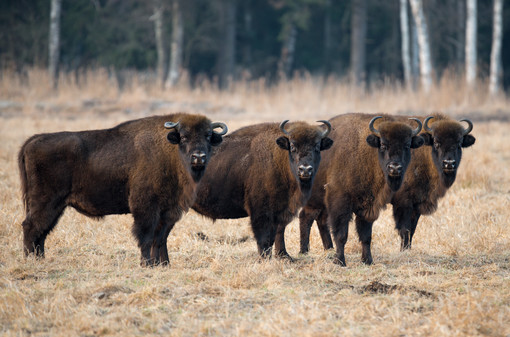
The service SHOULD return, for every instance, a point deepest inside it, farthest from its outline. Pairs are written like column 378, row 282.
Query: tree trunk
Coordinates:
column 328, row 41
column 496, row 72
column 54, row 41
column 177, row 45
column 226, row 58
column 404, row 28
column 358, row 45
column 461, row 33
column 471, row 43
column 423, row 42
column 287, row 53
column 415, row 54
column 157, row 17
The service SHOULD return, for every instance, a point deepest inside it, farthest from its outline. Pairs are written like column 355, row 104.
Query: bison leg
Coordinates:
column 265, row 233
column 364, row 229
column 159, row 250
column 404, row 224
column 322, row 225
column 38, row 224
column 143, row 229
column 339, row 224
column 306, row 219
column 279, row 244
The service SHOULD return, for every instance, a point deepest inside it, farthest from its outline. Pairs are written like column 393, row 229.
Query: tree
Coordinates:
column 358, row 41
column 177, row 45
column 423, row 42
column 496, row 71
column 157, row 17
column 471, row 28
column 404, row 28
column 226, row 57
column 54, row 41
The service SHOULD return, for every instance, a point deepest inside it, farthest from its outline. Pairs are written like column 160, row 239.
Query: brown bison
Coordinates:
column 359, row 176
column 433, row 172
column 265, row 172
column 136, row 167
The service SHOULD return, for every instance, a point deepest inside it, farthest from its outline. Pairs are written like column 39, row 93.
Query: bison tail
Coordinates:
column 23, row 177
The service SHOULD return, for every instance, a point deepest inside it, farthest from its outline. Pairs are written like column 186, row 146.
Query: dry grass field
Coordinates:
column 454, row 282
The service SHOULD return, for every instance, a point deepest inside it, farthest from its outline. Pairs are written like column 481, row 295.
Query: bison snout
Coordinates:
column 449, row 165
column 305, row 172
column 394, row 169
column 198, row 159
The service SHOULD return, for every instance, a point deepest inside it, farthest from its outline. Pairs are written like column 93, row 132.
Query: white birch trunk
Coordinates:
column 287, row 54
column 54, row 41
column 157, row 17
column 358, row 41
column 496, row 71
column 226, row 57
column 176, row 52
column 404, row 28
column 471, row 24
column 415, row 53
column 423, row 42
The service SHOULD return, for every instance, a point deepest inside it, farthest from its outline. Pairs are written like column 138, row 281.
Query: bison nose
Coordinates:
column 198, row 159
column 449, row 164
column 305, row 172
column 394, row 169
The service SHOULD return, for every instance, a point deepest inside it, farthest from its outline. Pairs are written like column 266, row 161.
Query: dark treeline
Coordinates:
column 270, row 38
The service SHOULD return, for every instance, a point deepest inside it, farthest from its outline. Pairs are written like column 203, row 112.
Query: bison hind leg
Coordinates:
column 364, row 229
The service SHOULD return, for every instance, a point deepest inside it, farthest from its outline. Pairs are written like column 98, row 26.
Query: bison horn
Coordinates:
column 470, row 126
column 418, row 129
column 426, row 124
column 282, row 126
column 171, row 125
column 328, row 128
column 223, row 127
column 371, row 125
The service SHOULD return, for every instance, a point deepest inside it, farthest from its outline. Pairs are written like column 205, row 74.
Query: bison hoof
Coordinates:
column 367, row 261
column 284, row 256
column 339, row 261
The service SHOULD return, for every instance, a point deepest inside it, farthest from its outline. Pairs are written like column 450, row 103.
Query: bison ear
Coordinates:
column 216, row 139
column 283, row 142
column 427, row 137
column 416, row 142
column 468, row 141
column 326, row 143
column 374, row 141
column 174, row 137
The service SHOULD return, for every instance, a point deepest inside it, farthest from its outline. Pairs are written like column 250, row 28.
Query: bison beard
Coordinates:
column 134, row 168
column 358, row 177
column 265, row 172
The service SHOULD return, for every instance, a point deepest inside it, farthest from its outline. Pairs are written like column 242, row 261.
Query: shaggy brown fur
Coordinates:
column 136, row 167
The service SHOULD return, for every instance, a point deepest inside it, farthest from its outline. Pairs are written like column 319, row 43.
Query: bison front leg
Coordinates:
column 264, row 231
column 306, row 219
column 143, row 230
column 405, row 223
column 279, row 245
column 322, row 225
column 364, row 229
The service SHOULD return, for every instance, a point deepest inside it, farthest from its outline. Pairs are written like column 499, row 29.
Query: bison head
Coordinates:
column 304, row 144
column 195, row 136
column 394, row 140
column 447, row 138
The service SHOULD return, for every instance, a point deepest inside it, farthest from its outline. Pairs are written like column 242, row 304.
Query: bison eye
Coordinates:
column 383, row 147
column 436, row 145
column 184, row 139
column 292, row 148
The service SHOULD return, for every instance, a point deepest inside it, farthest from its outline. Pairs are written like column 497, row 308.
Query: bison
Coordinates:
column 265, row 172
column 359, row 176
column 136, row 167
column 433, row 172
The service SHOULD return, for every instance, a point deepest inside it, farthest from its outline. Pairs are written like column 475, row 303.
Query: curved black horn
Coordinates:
column 418, row 129
column 171, row 125
column 371, row 125
column 328, row 130
column 223, row 127
column 282, row 126
column 470, row 126
column 426, row 124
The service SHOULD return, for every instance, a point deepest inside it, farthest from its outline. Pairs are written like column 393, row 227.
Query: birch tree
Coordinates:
column 176, row 45
column 358, row 45
column 471, row 24
column 496, row 71
column 157, row 17
column 288, row 50
column 54, row 41
column 226, row 57
column 423, row 42
column 404, row 28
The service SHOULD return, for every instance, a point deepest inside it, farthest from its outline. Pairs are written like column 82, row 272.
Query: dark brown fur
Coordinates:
column 257, row 177
column 353, row 178
column 131, row 168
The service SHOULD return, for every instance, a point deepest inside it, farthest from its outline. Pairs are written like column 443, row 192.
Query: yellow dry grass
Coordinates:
column 454, row 282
